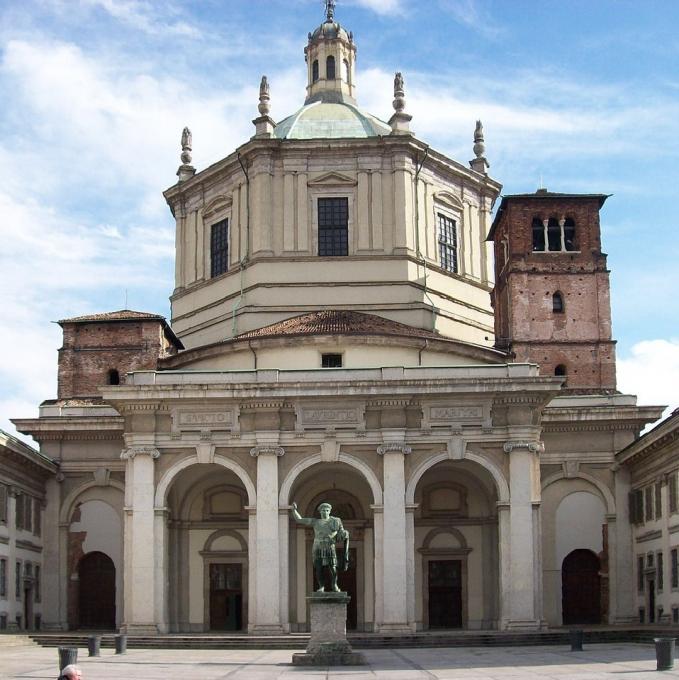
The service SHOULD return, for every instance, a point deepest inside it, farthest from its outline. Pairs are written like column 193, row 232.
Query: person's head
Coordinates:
column 324, row 509
column 71, row 672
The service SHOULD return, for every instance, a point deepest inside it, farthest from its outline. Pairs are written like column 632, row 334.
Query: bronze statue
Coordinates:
column 327, row 532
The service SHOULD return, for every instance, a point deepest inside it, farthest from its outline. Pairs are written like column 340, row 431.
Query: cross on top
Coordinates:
column 330, row 9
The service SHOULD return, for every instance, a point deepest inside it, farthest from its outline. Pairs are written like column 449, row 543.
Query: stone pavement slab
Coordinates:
column 597, row 662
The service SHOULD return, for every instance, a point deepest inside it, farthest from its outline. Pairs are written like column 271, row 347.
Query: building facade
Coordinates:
column 336, row 336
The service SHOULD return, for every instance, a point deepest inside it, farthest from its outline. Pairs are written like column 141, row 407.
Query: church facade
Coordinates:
column 349, row 325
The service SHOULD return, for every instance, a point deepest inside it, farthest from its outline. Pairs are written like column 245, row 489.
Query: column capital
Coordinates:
column 132, row 452
column 14, row 491
column 532, row 446
column 267, row 450
column 393, row 447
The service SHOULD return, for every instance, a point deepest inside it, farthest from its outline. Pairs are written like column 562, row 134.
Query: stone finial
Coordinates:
column 186, row 170
column 330, row 10
column 480, row 164
column 399, row 102
column 400, row 121
column 264, row 97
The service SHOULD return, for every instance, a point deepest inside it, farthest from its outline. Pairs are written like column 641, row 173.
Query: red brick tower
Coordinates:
column 100, row 349
column 552, row 294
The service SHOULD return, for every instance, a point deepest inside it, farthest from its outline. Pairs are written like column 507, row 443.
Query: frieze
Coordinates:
column 447, row 415
column 331, row 416
column 204, row 421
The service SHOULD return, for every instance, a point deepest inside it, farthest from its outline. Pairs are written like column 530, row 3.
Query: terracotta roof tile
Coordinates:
column 338, row 322
column 121, row 315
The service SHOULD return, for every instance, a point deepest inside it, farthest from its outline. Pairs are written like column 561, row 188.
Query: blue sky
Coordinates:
column 584, row 95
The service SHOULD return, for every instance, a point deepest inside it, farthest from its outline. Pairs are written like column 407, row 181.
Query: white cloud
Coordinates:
column 475, row 15
column 651, row 371
column 382, row 6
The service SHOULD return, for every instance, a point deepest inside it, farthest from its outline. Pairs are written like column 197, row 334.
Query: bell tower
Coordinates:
column 552, row 294
column 331, row 62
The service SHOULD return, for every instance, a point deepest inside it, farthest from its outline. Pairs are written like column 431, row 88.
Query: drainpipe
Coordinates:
column 417, row 237
column 245, row 257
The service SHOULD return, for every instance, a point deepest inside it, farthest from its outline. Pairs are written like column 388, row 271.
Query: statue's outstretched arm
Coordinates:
column 298, row 518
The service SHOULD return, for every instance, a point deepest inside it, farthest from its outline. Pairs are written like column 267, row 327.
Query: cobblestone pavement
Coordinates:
column 597, row 662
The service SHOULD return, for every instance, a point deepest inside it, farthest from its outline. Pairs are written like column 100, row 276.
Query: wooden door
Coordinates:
column 346, row 580
column 226, row 597
column 581, row 588
column 445, row 594
column 97, row 592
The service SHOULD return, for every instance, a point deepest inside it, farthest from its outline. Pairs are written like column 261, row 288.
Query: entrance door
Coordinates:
column 651, row 601
column 28, row 607
column 97, row 592
column 445, row 594
column 581, row 588
column 226, row 597
column 347, row 582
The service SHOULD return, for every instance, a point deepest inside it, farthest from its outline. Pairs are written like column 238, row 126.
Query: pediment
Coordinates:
column 217, row 204
column 449, row 199
column 332, row 179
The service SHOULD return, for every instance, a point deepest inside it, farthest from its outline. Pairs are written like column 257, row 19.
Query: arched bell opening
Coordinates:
column 207, row 550
column 456, row 548
column 351, row 497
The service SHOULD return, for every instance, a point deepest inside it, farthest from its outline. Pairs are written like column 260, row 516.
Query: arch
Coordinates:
column 96, row 591
column 113, row 377
column 68, row 505
column 168, row 477
column 217, row 204
column 452, row 531
column 330, row 70
column 357, row 463
column 501, row 484
column 225, row 532
column 449, row 199
column 569, row 234
column 356, row 506
column 605, row 492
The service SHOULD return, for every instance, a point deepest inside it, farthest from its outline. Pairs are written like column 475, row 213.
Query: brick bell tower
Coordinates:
column 552, row 294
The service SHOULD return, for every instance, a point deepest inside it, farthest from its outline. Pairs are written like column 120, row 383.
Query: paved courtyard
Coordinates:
column 597, row 662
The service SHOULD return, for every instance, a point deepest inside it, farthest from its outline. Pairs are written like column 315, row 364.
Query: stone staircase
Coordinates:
column 362, row 640
column 13, row 640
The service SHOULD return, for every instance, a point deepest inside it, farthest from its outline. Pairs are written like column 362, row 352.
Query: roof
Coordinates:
column 540, row 195
column 338, row 322
column 126, row 315
column 329, row 30
column 331, row 120
column 21, row 448
column 660, row 435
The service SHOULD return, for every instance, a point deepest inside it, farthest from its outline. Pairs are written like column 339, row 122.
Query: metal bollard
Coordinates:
column 664, row 653
column 577, row 636
column 94, row 645
column 67, row 656
column 121, row 644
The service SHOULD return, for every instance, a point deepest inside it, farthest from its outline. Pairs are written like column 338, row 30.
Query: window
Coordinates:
column 3, row 504
column 650, row 560
column 636, row 506
column 560, row 370
column 3, row 621
column 658, row 500
column 37, row 589
column 219, row 248
column 330, row 68
column 3, row 578
column 642, row 614
column 314, row 71
column 17, row 581
column 37, row 517
column 19, row 511
column 672, row 490
column 553, row 235
column 28, row 511
column 38, row 621
column 660, row 575
column 447, row 242
column 331, row 361
column 333, row 227
column 640, row 573
column 675, row 568
column 557, row 303
column 649, row 503
column 113, row 377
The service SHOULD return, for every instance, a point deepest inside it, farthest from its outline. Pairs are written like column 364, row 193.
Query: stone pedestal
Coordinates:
column 328, row 645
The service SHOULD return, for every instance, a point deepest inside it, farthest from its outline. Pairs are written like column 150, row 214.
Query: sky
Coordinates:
column 575, row 96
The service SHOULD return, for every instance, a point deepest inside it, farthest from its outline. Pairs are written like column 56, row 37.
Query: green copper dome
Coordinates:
column 329, row 120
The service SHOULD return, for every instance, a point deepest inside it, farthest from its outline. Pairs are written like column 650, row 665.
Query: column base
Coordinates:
column 266, row 629
column 48, row 627
column 524, row 624
column 139, row 629
column 396, row 628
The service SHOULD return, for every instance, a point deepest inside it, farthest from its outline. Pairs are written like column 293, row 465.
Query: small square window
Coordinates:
column 331, row 361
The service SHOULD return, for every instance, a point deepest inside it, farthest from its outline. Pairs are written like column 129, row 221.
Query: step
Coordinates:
column 15, row 640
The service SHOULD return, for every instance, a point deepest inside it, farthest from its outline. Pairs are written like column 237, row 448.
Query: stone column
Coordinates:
column 622, row 584
column 162, row 570
column 410, row 564
column 139, row 608
column 268, row 576
column 521, row 539
column 394, row 541
column 52, row 575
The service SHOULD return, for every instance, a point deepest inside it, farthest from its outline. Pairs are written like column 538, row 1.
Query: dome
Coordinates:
column 329, row 120
column 329, row 30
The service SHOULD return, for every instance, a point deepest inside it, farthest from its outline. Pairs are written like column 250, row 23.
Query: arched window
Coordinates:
column 538, row 234
column 113, row 377
column 560, row 370
column 330, row 68
column 314, row 71
column 557, row 303
column 569, row 234
column 553, row 234
column 345, row 71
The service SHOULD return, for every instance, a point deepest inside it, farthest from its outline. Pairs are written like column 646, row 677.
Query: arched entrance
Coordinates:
column 581, row 588
column 208, row 564
column 97, row 592
column 350, row 495
column 456, row 547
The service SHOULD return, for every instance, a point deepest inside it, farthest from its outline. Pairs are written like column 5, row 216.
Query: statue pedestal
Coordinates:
column 328, row 645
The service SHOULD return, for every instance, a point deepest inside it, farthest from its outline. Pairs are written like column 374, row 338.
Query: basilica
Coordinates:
column 357, row 319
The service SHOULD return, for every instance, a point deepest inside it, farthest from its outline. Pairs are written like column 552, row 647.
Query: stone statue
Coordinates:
column 399, row 85
column 187, row 146
column 327, row 531
column 330, row 9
